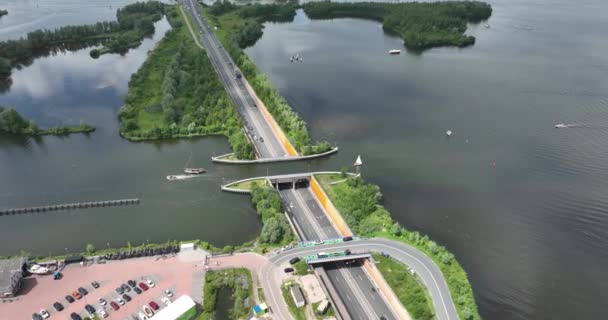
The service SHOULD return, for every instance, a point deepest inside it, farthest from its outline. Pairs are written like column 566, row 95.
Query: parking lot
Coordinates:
column 40, row 292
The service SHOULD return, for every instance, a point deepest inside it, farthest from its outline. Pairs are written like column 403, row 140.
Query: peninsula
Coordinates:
column 13, row 123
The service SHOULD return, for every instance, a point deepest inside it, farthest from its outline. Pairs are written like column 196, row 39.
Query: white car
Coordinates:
column 103, row 313
column 102, row 302
column 45, row 314
column 168, row 293
column 120, row 301
column 150, row 283
column 165, row 300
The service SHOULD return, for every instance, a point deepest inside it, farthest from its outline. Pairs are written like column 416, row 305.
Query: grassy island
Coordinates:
column 176, row 93
column 422, row 25
column 241, row 26
column 359, row 204
column 134, row 22
column 13, row 123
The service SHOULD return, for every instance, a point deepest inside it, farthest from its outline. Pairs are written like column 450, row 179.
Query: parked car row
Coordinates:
column 141, row 253
column 75, row 295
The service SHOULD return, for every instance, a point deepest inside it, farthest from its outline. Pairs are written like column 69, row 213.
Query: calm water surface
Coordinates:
column 524, row 206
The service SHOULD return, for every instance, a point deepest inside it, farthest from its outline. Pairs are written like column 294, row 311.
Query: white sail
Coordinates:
column 358, row 162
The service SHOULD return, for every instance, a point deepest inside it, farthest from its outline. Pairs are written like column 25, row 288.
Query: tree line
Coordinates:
column 267, row 202
column 176, row 93
column 134, row 22
column 420, row 25
column 12, row 122
column 245, row 32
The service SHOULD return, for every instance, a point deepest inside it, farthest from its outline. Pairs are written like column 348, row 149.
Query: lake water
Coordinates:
column 523, row 205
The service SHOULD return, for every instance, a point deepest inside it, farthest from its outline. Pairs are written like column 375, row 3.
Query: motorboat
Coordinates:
column 561, row 125
column 394, row 51
column 448, row 133
column 486, row 25
column 177, row 177
column 37, row 269
column 194, row 170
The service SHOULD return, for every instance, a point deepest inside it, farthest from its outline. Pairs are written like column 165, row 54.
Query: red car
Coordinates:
column 143, row 286
column 76, row 295
column 114, row 305
column 153, row 305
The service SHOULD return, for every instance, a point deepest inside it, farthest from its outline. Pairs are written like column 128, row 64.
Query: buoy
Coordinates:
column 448, row 133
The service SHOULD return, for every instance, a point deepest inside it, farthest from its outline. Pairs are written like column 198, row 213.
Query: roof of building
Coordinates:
column 176, row 308
column 296, row 292
column 8, row 269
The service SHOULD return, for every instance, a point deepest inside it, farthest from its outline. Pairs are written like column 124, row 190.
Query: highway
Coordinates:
column 257, row 129
column 355, row 289
column 424, row 267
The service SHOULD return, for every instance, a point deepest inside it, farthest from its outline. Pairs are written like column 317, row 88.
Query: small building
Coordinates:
column 322, row 307
column 11, row 276
column 296, row 294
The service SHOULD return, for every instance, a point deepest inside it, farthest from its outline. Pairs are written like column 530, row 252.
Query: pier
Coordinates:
column 70, row 206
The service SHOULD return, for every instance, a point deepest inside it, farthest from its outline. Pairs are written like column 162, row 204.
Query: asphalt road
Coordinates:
column 424, row 267
column 351, row 282
column 255, row 125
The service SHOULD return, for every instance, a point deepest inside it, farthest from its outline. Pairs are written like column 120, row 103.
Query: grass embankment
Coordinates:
column 176, row 93
column 408, row 288
column 301, row 268
column 238, row 281
column 420, row 25
column 248, row 185
column 12, row 122
column 297, row 313
column 241, row 26
column 359, row 203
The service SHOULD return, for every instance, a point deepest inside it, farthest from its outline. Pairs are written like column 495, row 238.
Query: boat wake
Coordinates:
column 181, row 176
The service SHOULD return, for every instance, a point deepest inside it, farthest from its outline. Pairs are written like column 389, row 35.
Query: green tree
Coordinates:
column 90, row 249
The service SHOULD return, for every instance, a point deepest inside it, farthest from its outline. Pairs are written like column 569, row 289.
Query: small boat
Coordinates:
column 394, row 51
column 486, row 25
column 194, row 170
column 448, row 133
column 37, row 269
column 561, row 125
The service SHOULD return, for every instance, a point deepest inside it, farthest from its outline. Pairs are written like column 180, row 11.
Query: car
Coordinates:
column 288, row 270
column 120, row 301
column 126, row 297
column 318, row 242
column 143, row 286
column 132, row 283
column 95, row 284
column 45, row 314
column 36, row 316
column 347, row 252
column 120, row 290
column 114, row 305
column 168, row 293
column 165, row 300
column 126, row 287
column 294, row 260
column 137, row 290
column 76, row 295
column 83, row 291
column 147, row 311
column 58, row 306
column 69, row 299
column 150, row 283
column 102, row 301
column 102, row 313
column 90, row 310
column 154, row 305
column 349, row 238
column 75, row 316
column 261, row 139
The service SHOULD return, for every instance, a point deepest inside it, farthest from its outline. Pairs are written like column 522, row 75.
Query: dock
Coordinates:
column 70, row 206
